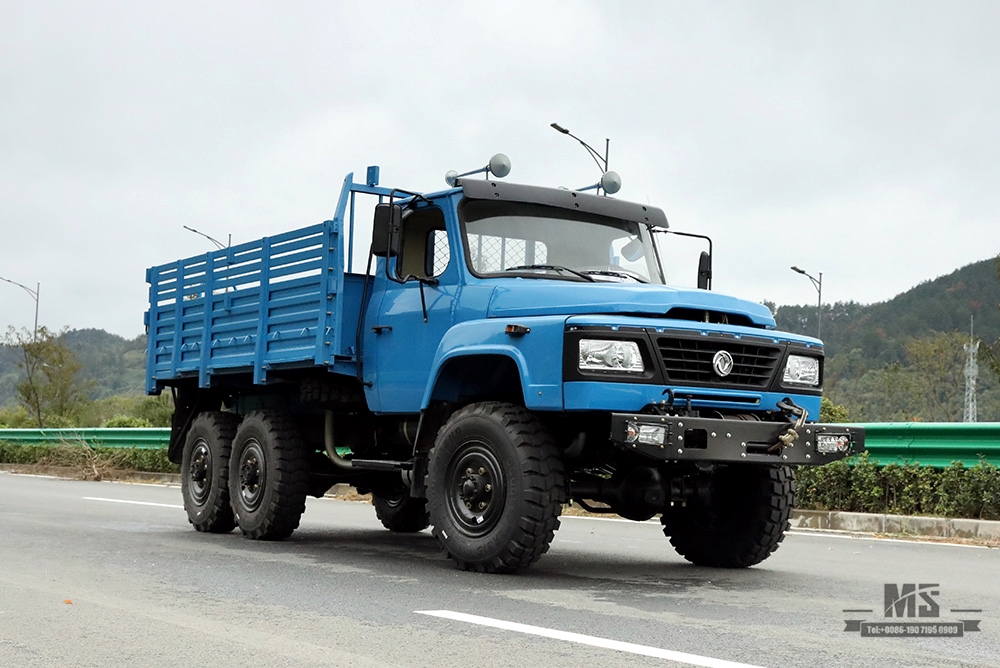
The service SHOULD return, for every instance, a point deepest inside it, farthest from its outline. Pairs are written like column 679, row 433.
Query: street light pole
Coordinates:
column 610, row 182
column 218, row 244
column 818, row 284
column 598, row 158
column 34, row 295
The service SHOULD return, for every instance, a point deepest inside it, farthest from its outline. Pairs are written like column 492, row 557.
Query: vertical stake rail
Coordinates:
column 175, row 352
column 260, row 347
column 328, row 290
column 152, row 327
column 350, row 239
column 206, row 327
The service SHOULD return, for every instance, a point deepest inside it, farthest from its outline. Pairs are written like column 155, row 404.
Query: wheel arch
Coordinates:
column 189, row 402
column 469, row 376
column 534, row 348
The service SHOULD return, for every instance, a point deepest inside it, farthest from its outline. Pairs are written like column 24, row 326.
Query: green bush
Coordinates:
column 901, row 489
column 155, row 410
column 127, row 421
column 17, row 418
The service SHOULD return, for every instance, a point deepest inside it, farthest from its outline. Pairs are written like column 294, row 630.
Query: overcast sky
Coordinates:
column 857, row 139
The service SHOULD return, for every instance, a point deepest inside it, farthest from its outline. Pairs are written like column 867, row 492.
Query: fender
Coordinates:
column 537, row 354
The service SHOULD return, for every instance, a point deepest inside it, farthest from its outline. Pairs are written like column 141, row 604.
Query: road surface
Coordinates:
column 105, row 574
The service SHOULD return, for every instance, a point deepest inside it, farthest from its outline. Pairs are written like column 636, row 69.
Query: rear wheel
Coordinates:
column 495, row 486
column 400, row 512
column 268, row 476
column 742, row 520
column 205, row 471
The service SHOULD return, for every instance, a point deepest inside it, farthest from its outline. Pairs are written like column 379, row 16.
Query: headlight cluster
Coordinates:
column 598, row 355
column 801, row 370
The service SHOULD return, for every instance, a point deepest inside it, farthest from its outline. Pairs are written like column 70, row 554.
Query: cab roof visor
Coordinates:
column 563, row 199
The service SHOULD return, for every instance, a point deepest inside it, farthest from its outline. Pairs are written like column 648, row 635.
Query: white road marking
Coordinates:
column 643, row 650
column 136, row 503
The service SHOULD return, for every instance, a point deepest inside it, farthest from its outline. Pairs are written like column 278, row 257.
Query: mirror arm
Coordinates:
column 707, row 238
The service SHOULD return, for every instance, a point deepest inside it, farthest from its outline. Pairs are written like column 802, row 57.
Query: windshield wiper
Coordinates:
column 610, row 272
column 552, row 267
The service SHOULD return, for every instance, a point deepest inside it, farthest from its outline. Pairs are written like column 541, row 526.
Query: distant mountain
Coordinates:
column 881, row 330
column 904, row 359
column 9, row 374
column 112, row 364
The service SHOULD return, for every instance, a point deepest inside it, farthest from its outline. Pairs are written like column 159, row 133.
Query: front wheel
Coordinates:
column 268, row 477
column 495, row 487
column 740, row 522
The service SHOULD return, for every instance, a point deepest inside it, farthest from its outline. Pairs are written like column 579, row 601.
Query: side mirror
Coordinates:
column 385, row 230
column 633, row 250
column 705, row 271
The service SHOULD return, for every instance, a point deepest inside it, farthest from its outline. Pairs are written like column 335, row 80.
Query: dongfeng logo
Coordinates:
column 722, row 363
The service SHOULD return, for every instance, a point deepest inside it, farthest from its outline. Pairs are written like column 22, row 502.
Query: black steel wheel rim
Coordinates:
column 200, row 472
column 476, row 489
column 253, row 475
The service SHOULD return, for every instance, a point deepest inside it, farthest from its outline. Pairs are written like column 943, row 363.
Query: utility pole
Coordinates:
column 971, row 374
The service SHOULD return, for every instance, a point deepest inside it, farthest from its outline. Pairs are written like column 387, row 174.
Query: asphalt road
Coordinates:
column 103, row 574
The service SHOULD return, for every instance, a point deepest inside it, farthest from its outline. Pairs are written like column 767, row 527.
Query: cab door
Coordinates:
column 404, row 327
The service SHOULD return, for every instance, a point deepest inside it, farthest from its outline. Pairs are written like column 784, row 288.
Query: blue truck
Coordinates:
column 508, row 349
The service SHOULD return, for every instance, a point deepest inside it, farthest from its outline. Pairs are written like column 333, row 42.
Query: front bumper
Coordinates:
column 674, row 438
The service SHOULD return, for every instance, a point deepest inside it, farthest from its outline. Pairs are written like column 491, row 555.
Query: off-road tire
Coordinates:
column 742, row 523
column 268, row 476
column 399, row 512
column 500, row 460
column 205, row 471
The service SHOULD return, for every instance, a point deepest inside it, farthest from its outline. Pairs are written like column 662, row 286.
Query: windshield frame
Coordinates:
column 643, row 230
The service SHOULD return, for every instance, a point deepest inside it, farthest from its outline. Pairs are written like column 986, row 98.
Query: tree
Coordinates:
column 831, row 412
column 49, row 388
column 991, row 351
column 939, row 363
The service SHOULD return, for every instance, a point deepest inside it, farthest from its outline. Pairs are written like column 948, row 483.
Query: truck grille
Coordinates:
column 688, row 360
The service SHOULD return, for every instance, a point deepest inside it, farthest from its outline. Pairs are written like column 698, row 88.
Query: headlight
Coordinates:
column 610, row 356
column 801, row 370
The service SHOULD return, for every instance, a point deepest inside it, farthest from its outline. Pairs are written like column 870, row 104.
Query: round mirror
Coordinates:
column 451, row 177
column 499, row 165
column 611, row 182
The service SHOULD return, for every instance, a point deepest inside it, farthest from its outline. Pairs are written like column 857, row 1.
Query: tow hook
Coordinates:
column 790, row 408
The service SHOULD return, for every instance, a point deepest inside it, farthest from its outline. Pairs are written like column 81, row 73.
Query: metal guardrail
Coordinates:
column 121, row 437
column 934, row 444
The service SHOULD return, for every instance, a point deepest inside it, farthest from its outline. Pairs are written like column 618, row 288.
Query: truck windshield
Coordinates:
column 533, row 240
